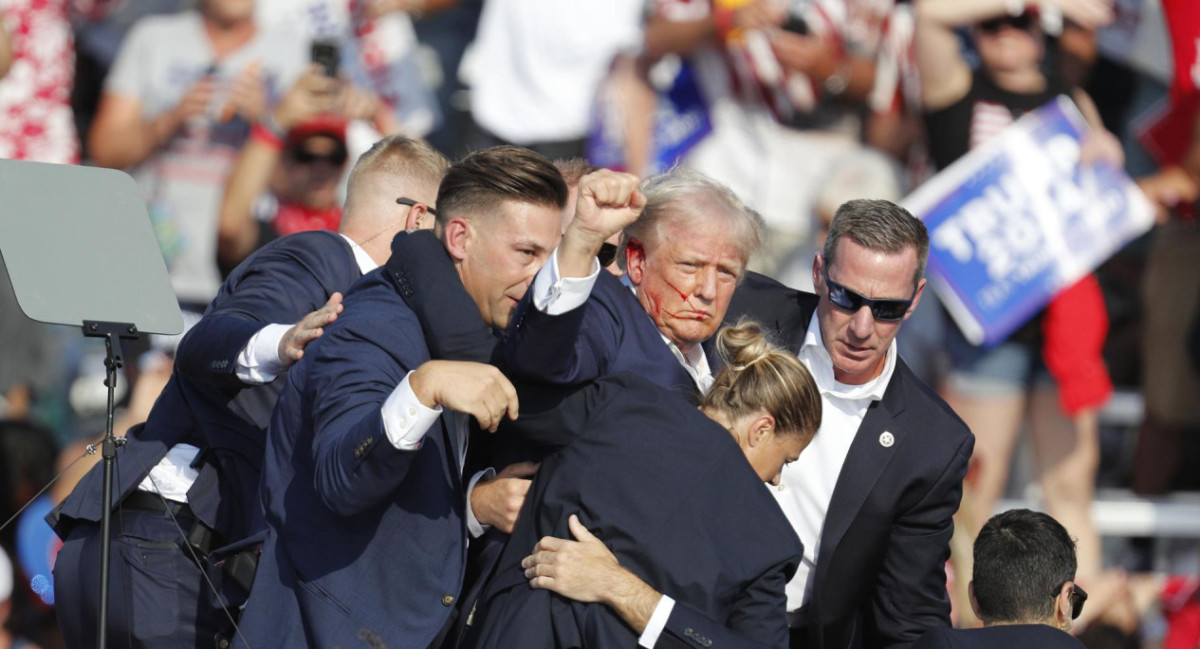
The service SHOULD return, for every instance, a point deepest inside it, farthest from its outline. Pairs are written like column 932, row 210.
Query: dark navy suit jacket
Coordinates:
column 610, row 333
column 205, row 404
column 880, row 579
column 1024, row 636
column 671, row 494
column 366, row 543
column 614, row 320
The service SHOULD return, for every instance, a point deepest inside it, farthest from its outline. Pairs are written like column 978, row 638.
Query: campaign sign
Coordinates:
column 681, row 121
column 1018, row 219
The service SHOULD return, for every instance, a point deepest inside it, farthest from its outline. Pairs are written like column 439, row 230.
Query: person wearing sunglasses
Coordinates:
column 1023, row 587
column 872, row 496
column 1050, row 371
column 288, row 174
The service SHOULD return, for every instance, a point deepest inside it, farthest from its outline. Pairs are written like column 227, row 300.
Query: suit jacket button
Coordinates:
column 357, row 453
column 447, row 600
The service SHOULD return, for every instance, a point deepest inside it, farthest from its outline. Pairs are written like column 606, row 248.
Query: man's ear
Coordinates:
column 1062, row 607
column 457, row 237
column 635, row 261
column 971, row 596
column 916, row 298
column 818, row 276
column 418, row 218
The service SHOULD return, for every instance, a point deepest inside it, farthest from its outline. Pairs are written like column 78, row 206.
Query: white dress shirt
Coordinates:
column 258, row 363
column 807, row 485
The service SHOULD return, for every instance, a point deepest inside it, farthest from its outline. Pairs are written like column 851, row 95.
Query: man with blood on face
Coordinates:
column 683, row 258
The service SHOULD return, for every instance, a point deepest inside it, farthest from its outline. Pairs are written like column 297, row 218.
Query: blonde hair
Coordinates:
column 414, row 165
column 758, row 375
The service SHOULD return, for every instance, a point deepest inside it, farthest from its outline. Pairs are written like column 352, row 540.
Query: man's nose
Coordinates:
column 862, row 323
column 706, row 284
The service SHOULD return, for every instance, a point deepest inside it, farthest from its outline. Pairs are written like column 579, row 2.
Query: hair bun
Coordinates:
column 743, row 344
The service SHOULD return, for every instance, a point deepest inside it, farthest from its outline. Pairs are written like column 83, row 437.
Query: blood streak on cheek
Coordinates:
column 683, row 296
column 697, row 314
column 655, row 305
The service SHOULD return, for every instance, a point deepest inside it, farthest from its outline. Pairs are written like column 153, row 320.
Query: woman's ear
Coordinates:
column 761, row 428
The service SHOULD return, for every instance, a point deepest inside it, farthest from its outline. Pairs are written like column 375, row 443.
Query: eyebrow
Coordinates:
column 530, row 243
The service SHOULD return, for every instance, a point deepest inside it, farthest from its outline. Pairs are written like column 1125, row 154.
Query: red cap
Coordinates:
column 329, row 125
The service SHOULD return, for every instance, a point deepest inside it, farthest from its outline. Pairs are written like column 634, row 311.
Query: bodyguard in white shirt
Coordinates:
column 872, row 497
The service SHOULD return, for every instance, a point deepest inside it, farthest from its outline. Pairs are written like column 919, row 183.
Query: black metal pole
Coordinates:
column 109, row 454
column 111, row 332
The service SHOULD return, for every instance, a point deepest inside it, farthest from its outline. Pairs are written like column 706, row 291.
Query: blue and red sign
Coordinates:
column 1018, row 219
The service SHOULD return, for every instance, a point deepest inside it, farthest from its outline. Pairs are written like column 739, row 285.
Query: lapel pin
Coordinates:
column 887, row 439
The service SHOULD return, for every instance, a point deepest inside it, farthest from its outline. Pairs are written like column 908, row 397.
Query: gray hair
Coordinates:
column 682, row 194
column 878, row 226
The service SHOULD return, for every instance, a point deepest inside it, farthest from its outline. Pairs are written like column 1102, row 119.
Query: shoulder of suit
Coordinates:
column 925, row 400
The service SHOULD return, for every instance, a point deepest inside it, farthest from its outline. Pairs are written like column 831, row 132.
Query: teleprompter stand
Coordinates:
column 112, row 333
column 79, row 248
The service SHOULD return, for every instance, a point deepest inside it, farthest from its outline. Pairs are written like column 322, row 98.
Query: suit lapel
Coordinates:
column 869, row 454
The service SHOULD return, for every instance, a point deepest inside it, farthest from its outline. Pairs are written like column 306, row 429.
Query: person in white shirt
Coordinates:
column 872, row 498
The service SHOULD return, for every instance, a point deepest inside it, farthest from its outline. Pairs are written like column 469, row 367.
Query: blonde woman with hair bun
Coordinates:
column 650, row 517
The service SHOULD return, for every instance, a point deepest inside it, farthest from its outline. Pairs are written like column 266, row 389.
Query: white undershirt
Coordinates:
column 807, row 485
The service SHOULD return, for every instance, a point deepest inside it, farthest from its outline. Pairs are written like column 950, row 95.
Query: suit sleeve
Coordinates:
column 758, row 621
column 450, row 319
column 553, row 416
column 567, row 349
column 355, row 370
column 910, row 594
column 281, row 287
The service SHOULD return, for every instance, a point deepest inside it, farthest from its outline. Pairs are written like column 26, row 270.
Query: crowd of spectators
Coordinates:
column 241, row 121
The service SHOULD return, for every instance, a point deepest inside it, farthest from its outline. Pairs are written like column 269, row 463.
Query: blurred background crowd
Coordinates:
column 239, row 118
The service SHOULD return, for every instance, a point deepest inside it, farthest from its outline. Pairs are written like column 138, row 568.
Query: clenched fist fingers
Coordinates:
column 476, row 389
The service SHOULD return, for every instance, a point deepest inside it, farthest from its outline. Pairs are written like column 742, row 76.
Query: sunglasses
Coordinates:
column 337, row 157
column 1022, row 22
column 410, row 202
column 883, row 310
column 1078, row 597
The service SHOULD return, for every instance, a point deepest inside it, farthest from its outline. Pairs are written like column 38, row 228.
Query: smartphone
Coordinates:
column 327, row 55
column 796, row 25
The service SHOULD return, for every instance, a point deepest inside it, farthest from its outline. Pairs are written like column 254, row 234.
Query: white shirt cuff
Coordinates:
column 405, row 418
column 658, row 622
column 473, row 525
column 556, row 295
column 259, row 361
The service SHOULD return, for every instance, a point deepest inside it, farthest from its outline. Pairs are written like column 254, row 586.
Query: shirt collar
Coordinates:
column 364, row 261
column 817, row 359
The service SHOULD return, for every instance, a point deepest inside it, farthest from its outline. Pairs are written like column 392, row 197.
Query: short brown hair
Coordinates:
column 878, row 226
column 758, row 375
column 574, row 169
column 412, row 162
column 480, row 182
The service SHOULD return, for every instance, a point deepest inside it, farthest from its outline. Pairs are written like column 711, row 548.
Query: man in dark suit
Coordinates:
column 1023, row 588
column 872, row 497
column 677, row 504
column 362, row 481
column 683, row 258
column 197, row 459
